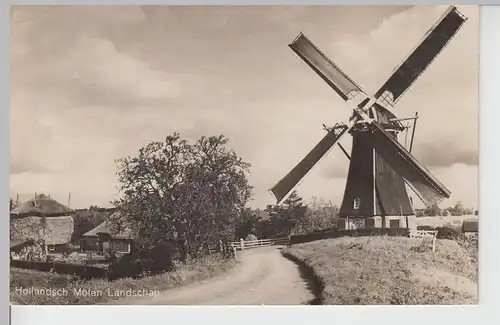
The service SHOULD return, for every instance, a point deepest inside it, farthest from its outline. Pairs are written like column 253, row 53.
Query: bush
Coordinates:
column 155, row 260
column 426, row 227
column 160, row 257
column 126, row 266
column 448, row 232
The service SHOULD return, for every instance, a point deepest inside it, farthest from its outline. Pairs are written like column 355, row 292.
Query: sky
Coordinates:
column 91, row 84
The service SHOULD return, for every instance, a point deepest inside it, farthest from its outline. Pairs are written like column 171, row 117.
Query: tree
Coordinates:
column 85, row 220
column 458, row 209
column 320, row 215
column 284, row 218
column 293, row 201
column 174, row 188
column 251, row 222
column 11, row 204
column 432, row 211
column 468, row 212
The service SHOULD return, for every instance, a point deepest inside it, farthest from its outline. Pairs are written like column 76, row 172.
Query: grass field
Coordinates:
column 440, row 221
column 390, row 270
column 191, row 272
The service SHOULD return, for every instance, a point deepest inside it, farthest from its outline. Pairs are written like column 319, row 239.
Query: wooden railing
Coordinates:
column 425, row 234
column 248, row 244
column 422, row 233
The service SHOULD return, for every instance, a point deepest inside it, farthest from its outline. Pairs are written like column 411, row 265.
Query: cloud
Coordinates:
column 444, row 154
column 463, row 182
column 92, row 84
column 23, row 167
column 94, row 72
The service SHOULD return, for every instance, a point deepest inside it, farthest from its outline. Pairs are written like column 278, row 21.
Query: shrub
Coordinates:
column 128, row 265
column 160, row 257
column 155, row 260
column 426, row 227
column 449, row 232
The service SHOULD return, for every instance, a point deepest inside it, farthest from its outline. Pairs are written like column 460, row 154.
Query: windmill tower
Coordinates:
column 380, row 168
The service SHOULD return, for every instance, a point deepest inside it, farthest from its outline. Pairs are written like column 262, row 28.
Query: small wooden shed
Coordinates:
column 104, row 239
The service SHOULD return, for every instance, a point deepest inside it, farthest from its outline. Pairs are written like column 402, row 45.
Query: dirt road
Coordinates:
column 264, row 276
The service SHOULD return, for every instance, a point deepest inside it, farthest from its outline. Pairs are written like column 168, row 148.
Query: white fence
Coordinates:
column 248, row 244
column 425, row 234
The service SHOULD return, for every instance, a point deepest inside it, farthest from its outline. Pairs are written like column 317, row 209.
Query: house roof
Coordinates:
column 470, row 225
column 40, row 205
column 51, row 230
column 264, row 215
column 106, row 228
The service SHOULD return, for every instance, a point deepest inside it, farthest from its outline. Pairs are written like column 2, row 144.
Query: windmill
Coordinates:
column 380, row 168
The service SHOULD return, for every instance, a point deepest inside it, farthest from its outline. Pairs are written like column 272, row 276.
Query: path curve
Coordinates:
column 263, row 277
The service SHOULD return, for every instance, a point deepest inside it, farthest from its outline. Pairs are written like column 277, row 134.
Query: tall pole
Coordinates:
column 69, row 199
column 413, row 131
column 344, row 151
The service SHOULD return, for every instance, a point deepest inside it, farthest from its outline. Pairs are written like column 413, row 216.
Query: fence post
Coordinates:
column 242, row 244
column 434, row 242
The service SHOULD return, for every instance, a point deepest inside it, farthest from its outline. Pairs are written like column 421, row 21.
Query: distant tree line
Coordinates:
column 457, row 210
column 294, row 216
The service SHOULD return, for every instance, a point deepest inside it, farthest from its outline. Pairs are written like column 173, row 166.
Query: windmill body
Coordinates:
column 374, row 191
column 380, row 168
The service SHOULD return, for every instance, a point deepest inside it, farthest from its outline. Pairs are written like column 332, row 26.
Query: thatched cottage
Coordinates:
column 104, row 238
column 42, row 220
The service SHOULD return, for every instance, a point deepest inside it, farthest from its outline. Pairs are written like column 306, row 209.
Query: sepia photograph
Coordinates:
column 244, row 155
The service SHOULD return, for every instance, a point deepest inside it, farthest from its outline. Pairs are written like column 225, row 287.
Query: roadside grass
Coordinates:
column 187, row 273
column 391, row 270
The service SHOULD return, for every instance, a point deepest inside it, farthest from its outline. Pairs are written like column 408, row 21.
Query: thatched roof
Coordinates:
column 106, row 228
column 264, row 215
column 50, row 230
column 41, row 205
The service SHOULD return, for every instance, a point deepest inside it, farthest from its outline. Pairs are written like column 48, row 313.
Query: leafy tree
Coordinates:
column 85, row 220
column 468, row 211
column 175, row 188
column 432, row 211
column 11, row 204
column 285, row 217
column 458, row 209
column 320, row 215
column 293, row 201
column 251, row 222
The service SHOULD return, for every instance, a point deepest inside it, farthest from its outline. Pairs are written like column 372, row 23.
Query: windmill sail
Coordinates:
column 326, row 69
column 287, row 183
column 423, row 55
column 430, row 189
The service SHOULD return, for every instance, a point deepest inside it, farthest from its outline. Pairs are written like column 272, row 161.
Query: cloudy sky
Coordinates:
column 92, row 84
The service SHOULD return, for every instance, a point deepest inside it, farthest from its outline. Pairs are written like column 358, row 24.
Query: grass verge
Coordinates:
column 390, row 270
column 190, row 272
